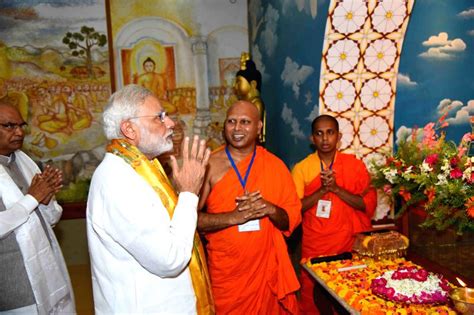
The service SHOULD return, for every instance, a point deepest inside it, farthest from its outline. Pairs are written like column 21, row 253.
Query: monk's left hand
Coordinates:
column 329, row 181
column 259, row 207
column 245, row 202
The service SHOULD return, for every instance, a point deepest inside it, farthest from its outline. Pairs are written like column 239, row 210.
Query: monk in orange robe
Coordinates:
column 251, row 205
column 337, row 201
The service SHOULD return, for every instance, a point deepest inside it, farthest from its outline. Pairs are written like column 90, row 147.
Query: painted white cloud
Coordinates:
column 471, row 32
column 463, row 115
column 307, row 6
column 308, row 98
column 257, row 58
column 293, row 75
column 441, row 47
column 405, row 134
column 314, row 113
column 469, row 13
column 289, row 119
column 269, row 37
column 404, row 80
column 437, row 40
column 47, row 11
column 448, row 105
column 435, row 53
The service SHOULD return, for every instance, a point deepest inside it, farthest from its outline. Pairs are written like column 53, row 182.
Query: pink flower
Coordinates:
column 387, row 189
column 429, row 135
column 466, row 137
column 471, row 180
column 461, row 151
column 454, row 161
column 455, row 173
column 432, row 159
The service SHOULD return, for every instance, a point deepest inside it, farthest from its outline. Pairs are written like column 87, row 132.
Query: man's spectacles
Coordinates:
column 13, row 126
column 161, row 116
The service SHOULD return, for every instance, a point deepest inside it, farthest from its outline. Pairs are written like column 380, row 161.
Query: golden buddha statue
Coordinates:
column 247, row 87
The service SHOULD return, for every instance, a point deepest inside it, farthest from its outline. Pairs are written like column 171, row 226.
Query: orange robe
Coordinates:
column 251, row 272
column 335, row 234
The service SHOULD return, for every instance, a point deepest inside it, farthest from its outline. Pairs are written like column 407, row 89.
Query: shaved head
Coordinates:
column 324, row 118
column 250, row 107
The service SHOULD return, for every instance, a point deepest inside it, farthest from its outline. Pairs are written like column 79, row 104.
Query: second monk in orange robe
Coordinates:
column 337, row 199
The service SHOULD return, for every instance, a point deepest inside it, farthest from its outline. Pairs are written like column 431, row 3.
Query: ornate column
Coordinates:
column 203, row 115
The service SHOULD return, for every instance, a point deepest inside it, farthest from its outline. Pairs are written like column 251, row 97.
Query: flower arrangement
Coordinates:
column 411, row 285
column 355, row 286
column 427, row 169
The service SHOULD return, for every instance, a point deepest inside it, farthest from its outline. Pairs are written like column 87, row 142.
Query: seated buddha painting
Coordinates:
column 150, row 64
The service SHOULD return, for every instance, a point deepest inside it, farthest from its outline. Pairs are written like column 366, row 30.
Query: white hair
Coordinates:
column 122, row 105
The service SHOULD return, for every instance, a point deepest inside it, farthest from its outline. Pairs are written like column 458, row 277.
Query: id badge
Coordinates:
column 324, row 209
column 249, row 226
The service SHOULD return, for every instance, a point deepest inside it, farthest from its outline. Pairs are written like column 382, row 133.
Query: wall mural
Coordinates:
column 182, row 53
column 54, row 67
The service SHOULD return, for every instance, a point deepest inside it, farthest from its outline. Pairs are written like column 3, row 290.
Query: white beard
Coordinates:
column 154, row 145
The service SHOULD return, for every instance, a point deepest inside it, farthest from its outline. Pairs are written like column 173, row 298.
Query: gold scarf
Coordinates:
column 153, row 173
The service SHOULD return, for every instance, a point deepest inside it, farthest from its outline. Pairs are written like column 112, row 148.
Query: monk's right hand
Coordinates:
column 190, row 176
column 246, row 207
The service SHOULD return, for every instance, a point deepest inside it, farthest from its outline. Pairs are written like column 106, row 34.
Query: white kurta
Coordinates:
column 43, row 261
column 139, row 256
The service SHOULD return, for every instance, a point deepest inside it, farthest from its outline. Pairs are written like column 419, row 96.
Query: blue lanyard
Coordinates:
column 243, row 182
column 330, row 166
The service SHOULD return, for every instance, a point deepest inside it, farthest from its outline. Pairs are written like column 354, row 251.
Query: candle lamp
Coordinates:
column 463, row 298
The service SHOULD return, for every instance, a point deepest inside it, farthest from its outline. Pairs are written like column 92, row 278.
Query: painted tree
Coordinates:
column 81, row 43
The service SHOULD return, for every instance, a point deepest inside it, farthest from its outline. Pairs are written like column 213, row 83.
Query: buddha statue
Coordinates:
column 247, row 87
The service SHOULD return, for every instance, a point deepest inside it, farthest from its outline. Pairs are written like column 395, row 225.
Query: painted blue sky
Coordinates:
column 438, row 57
column 435, row 68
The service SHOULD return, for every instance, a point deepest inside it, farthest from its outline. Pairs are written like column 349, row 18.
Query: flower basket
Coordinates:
column 427, row 169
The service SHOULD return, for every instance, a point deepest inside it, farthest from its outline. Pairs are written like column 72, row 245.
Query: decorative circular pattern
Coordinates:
column 380, row 55
column 347, row 131
column 363, row 42
column 374, row 131
column 343, row 56
column 376, row 94
column 389, row 15
column 349, row 16
column 339, row 95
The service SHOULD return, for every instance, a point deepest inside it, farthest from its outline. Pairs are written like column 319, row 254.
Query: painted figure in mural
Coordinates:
column 251, row 204
column 247, row 87
column 154, row 81
column 34, row 275
column 146, row 256
column 338, row 183
column 68, row 112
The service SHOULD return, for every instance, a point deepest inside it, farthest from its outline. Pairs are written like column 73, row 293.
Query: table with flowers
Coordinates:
column 352, row 287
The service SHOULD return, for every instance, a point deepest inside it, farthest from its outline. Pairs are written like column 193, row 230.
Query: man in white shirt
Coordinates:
column 33, row 275
column 140, row 231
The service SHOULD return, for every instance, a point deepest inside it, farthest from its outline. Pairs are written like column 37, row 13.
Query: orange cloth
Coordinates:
column 251, row 272
column 334, row 235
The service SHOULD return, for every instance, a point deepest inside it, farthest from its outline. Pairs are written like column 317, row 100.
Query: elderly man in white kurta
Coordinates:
column 140, row 231
column 33, row 278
